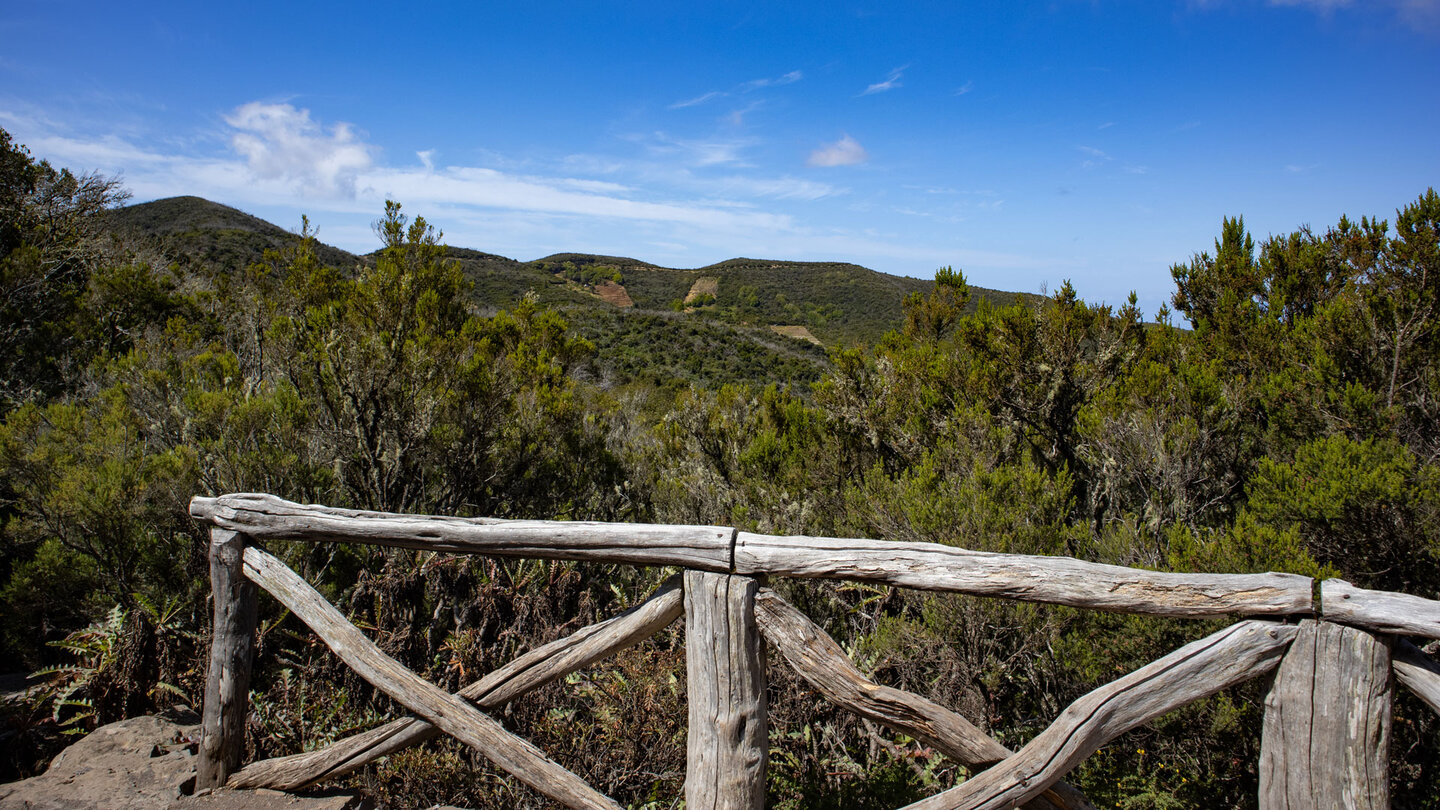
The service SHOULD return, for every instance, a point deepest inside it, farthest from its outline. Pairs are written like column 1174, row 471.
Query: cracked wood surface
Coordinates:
column 727, row 742
column 232, row 653
column 268, row 517
column 1386, row 611
column 1056, row 580
column 1327, row 722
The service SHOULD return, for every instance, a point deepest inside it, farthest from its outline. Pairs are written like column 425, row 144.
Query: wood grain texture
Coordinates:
column 727, row 742
column 1056, row 580
column 526, row 673
column 926, row 566
column 448, row 712
column 1386, row 611
column 1418, row 672
column 1326, row 736
column 1198, row 669
column 815, row 656
column 265, row 517
column 232, row 652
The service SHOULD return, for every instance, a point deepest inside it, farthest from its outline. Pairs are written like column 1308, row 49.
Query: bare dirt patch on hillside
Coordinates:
column 705, row 285
column 798, row 332
column 614, row 294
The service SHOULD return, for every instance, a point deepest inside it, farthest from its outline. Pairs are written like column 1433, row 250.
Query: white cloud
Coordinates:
column 736, row 118
column 700, row 99
column 697, row 152
column 965, row 88
column 845, row 152
column 755, row 84
column 427, row 159
column 488, row 188
column 781, row 188
column 280, row 142
column 891, row 82
column 744, row 87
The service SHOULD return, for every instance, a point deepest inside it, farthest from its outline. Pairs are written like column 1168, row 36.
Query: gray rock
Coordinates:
column 144, row 763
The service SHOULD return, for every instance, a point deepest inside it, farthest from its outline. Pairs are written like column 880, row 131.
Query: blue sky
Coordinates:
column 1026, row 143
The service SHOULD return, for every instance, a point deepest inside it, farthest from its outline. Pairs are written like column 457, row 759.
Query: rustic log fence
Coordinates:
column 1327, row 717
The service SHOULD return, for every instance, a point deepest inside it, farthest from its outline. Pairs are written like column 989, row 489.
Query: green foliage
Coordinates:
column 48, row 248
column 930, row 317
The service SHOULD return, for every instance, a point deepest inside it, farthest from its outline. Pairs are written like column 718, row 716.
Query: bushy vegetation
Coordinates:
column 1291, row 427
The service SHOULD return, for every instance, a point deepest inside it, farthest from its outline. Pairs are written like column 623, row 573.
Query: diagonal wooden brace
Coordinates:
column 448, row 712
column 530, row 671
column 815, row 656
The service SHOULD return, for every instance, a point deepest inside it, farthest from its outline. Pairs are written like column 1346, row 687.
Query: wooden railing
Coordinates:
column 1327, row 718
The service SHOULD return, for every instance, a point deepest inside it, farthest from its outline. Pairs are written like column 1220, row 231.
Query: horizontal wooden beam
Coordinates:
column 450, row 713
column 266, row 517
column 1237, row 653
column 1056, row 580
column 925, row 566
column 1417, row 672
column 1385, row 611
column 530, row 671
column 815, row 656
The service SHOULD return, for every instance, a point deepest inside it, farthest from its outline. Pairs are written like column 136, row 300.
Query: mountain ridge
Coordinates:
column 760, row 320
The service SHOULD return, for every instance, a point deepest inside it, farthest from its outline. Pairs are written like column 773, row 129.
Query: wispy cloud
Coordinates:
column 697, row 152
column 891, row 82
column 280, row 142
column 1097, row 157
column 755, row 84
column 696, row 101
column 845, row 152
column 744, row 87
column 965, row 88
column 736, row 117
column 780, row 188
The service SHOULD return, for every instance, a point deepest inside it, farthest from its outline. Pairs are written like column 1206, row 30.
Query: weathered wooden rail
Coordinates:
column 1327, row 718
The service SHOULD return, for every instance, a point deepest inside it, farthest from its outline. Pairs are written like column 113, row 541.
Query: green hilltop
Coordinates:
column 754, row 320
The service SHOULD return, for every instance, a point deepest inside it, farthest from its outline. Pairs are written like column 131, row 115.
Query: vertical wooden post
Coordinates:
column 232, row 648
column 727, row 742
column 1326, row 739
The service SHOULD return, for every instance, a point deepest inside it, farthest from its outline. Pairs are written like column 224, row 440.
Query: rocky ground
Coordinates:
column 146, row 763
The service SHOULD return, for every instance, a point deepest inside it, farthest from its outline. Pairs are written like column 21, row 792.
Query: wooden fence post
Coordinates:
column 727, row 742
column 1326, row 736
column 232, row 649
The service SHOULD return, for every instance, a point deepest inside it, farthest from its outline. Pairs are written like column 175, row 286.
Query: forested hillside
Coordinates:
column 1282, row 417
